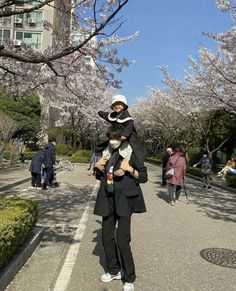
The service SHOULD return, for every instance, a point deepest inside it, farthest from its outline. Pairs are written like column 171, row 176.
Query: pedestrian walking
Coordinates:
column 22, row 153
column 176, row 182
column 49, row 162
column 36, row 168
column 206, row 167
column 119, row 196
column 165, row 160
column 95, row 157
column 131, row 142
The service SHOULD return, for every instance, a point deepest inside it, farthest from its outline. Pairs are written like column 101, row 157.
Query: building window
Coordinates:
column 34, row 19
column 6, row 20
column 29, row 38
column 4, row 34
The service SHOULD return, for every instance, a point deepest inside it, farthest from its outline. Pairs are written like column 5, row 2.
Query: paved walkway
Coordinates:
column 166, row 241
column 13, row 175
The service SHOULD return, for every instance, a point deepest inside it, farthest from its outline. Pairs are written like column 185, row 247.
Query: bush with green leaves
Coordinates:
column 81, row 156
column 194, row 155
column 154, row 160
column 29, row 155
column 17, row 219
column 194, row 171
column 231, row 180
column 64, row 150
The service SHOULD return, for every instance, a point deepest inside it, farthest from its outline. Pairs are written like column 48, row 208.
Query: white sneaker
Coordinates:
column 107, row 277
column 172, row 203
column 128, row 287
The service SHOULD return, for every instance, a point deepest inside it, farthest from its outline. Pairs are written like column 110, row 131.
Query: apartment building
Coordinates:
column 28, row 28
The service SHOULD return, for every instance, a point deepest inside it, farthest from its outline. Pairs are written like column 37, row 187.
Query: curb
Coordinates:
column 200, row 180
column 19, row 259
column 9, row 186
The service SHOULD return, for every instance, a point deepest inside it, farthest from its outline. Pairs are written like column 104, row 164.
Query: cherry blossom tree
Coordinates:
column 77, row 99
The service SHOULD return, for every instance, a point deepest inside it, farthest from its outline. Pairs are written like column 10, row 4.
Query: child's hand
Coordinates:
column 123, row 138
column 101, row 163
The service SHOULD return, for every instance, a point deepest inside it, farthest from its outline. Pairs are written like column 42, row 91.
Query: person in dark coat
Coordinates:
column 117, row 199
column 165, row 160
column 121, row 115
column 206, row 167
column 36, row 168
column 49, row 162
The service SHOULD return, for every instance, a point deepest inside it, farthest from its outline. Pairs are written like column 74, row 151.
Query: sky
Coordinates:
column 170, row 31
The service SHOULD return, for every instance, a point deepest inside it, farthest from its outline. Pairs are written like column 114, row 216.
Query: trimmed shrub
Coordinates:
column 154, row 160
column 64, row 149
column 29, row 155
column 230, row 180
column 194, row 171
column 194, row 156
column 17, row 219
column 6, row 155
column 81, row 156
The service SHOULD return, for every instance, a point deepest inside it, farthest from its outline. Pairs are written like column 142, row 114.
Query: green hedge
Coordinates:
column 17, row 218
column 231, row 180
column 154, row 160
column 27, row 154
column 194, row 156
column 194, row 171
column 64, row 149
column 81, row 156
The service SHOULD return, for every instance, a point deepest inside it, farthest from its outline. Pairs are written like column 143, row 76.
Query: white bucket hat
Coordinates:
column 119, row 98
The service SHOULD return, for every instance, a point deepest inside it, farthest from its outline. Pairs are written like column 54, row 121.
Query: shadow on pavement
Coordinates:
column 98, row 249
column 215, row 203
column 164, row 196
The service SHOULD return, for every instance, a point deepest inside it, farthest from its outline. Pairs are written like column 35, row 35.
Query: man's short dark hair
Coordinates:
column 115, row 131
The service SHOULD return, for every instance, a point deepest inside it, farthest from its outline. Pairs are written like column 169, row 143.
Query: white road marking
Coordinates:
column 64, row 277
column 30, row 187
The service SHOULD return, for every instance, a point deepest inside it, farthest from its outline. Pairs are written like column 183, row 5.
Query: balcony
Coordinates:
column 17, row 42
column 31, row 22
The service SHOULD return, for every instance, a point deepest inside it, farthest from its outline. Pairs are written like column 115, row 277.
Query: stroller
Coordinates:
column 53, row 181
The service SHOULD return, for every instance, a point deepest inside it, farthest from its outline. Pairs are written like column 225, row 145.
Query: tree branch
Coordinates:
column 69, row 50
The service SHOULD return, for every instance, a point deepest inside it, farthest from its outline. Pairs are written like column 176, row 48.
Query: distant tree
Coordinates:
column 7, row 129
column 25, row 112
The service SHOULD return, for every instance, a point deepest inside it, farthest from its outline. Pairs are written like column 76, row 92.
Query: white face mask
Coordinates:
column 115, row 143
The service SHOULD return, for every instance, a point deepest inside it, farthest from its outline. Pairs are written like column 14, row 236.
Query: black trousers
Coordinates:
column 49, row 177
column 118, row 241
column 35, row 179
column 163, row 183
